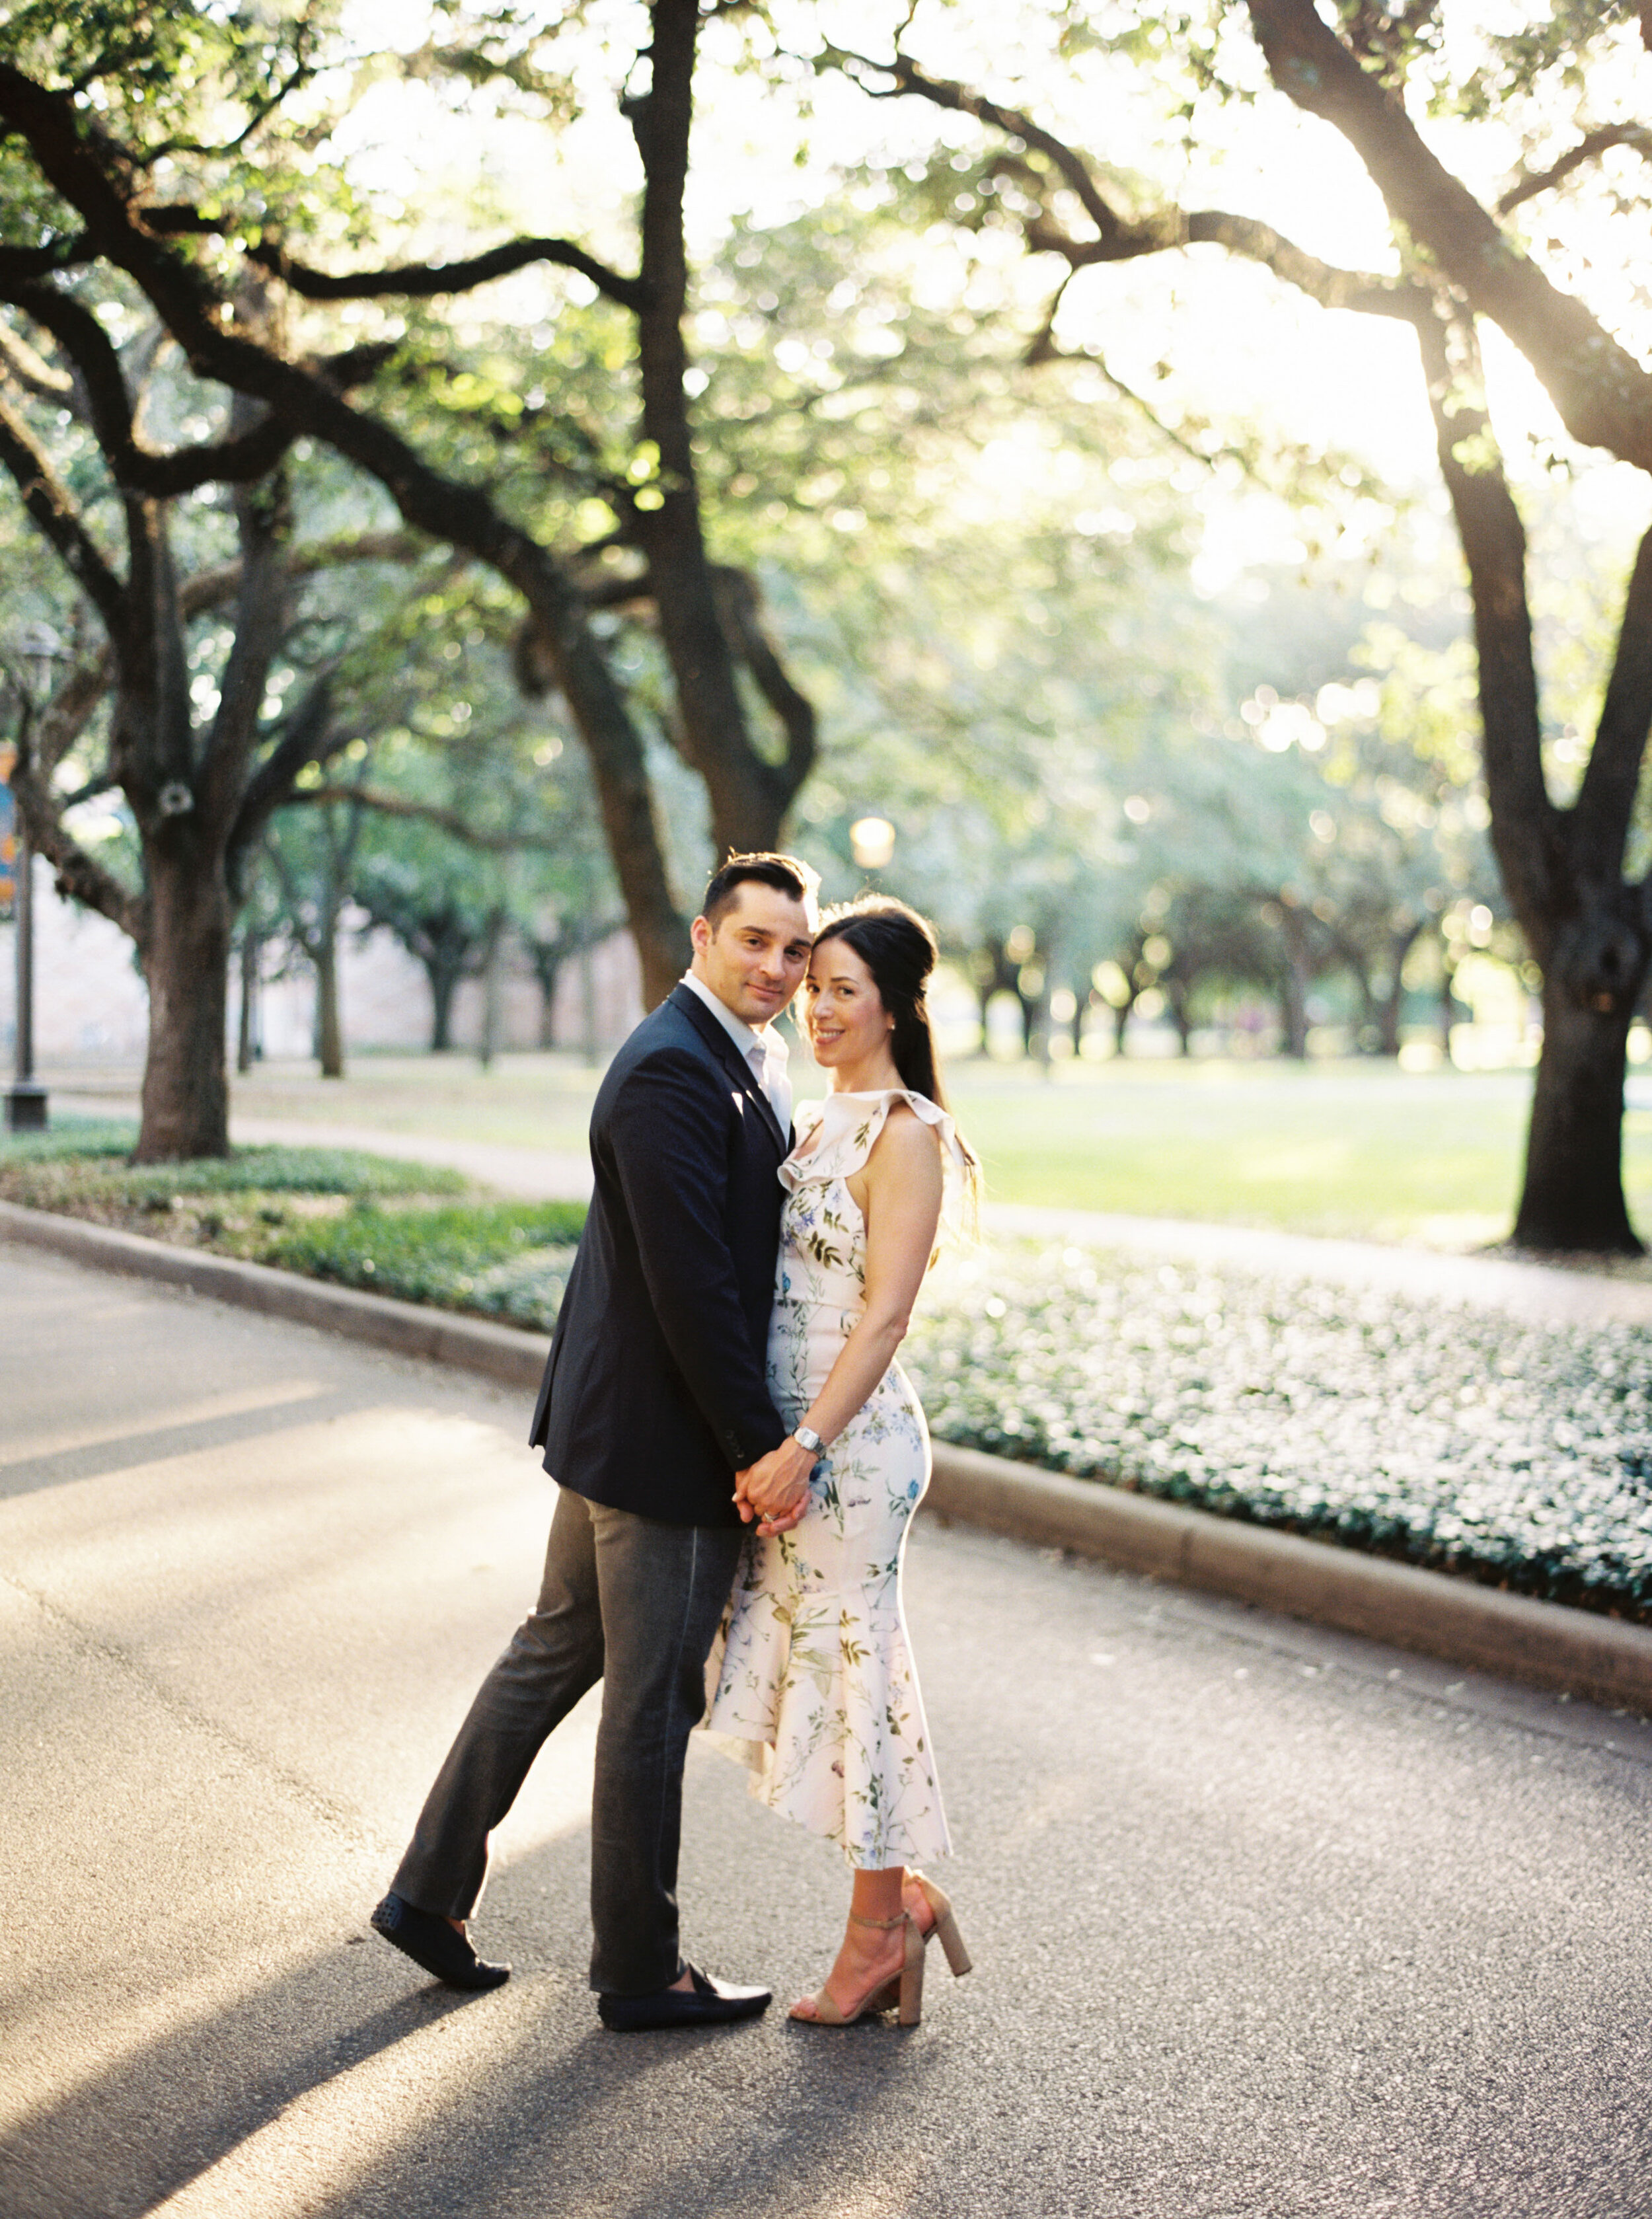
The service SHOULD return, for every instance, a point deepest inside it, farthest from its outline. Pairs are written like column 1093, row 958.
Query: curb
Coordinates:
column 1552, row 1645
column 500, row 1352
column 1579, row 1652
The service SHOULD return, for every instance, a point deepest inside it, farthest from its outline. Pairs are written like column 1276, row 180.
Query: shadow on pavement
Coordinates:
column 155, row 1444
column 123, row 2141
column 676, row 2126
column 156, row 2118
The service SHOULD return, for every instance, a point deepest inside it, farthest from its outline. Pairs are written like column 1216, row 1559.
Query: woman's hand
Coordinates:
column 775, row 1489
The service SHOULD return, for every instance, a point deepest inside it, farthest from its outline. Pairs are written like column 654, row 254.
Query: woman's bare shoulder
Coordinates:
column 906, row 1143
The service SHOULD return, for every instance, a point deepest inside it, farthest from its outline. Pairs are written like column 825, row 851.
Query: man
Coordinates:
column 654, row 1403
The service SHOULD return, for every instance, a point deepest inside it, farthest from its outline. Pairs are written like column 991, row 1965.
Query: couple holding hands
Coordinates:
column 738, row 1456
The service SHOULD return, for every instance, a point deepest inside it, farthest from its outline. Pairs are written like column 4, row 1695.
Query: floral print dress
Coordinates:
column 810, row 1681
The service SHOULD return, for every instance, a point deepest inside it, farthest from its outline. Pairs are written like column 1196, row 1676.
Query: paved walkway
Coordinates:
column 1268, row 1922
column 534, row 1174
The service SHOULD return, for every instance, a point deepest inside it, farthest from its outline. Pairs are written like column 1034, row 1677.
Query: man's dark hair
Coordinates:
column 783, row 872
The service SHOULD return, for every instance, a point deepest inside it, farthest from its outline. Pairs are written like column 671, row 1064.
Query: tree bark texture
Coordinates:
column 1573, row 1196
column 246, row 1040
column 329, row 1021
column 185, row 952
column 707, row 622
column 444, row 976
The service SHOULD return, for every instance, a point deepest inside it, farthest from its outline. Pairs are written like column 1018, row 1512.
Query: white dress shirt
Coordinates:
column 764, row 1050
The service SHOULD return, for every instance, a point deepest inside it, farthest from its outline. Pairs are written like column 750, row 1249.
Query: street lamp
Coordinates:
column 872, row 842
column 38, row 647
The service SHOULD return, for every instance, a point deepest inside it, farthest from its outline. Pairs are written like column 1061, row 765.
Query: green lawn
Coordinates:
column 1352, row 1148
column 1333, row 1148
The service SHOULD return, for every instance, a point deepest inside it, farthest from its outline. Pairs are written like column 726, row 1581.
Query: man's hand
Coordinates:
column 775, row 1489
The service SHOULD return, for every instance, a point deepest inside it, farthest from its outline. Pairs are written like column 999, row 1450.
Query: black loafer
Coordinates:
column 708, row 2003
column 431, row 1942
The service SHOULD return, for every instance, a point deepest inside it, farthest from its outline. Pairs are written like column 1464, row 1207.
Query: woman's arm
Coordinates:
column 899, row 1194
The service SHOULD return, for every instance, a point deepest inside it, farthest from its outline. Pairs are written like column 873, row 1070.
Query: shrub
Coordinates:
column 508, row 1260
column 1461, row 1438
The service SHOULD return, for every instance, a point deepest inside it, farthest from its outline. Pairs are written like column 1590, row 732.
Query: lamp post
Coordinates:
column 872, row 842
column 38, row 647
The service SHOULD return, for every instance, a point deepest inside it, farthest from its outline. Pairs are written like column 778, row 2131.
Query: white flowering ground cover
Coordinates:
column 1448, row 1436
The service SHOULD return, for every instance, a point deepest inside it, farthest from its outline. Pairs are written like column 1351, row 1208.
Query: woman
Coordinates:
column 812, row 1678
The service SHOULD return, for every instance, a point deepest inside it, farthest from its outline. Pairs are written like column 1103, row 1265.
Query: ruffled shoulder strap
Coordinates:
column 836, row 1136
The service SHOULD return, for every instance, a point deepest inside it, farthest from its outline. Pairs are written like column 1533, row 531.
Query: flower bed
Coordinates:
column 1450, row 1437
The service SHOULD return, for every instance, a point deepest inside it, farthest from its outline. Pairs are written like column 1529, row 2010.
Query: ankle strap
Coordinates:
column 883, row 1924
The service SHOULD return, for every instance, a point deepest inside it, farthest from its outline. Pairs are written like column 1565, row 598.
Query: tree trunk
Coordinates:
column 1448, row 1000
column 588, row 1004
column 329, row 1027
column 186, row 962
column 1574, row 1192
column 1294, row 986
column 246, row 1045
column 493, row 961
column 1293, row 1013
column 546, row 968
column 443, row 985
column 1387, row 1020
column 1391, row 1006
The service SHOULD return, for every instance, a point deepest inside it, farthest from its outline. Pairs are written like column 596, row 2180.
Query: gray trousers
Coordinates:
column 635, row 1604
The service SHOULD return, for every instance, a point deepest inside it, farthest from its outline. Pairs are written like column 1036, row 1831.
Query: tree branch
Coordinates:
column 449, row 510
column 1605, row 807
column 1593, row 144
column 59, row 520
column 69, row 711
column 907, row 77
column 1603, row 396
column 422, row 281
column 1162, row 231
column 309, row 736
column 32, row 371
column 426, row 812
column 210, row 589
column 739, row 607
column 135, row 468
column 1526, row 827
column 20, row 265
column 79, row 878
column 263, row 520
column 419, row 280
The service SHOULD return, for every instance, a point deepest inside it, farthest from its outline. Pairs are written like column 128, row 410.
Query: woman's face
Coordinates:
column 842, row 1008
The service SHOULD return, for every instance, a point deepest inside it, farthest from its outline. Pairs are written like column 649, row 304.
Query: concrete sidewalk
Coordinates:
column 1268, row 1922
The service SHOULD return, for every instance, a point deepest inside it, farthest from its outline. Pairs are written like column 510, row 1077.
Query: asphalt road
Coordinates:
column 1267, row 1922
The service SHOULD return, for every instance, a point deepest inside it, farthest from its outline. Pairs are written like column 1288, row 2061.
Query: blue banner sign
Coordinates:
column 8, row 840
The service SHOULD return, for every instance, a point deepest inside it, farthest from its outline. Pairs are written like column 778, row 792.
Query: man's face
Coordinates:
column 754, row 958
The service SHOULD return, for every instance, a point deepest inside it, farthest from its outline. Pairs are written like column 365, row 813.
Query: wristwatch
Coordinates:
column 809, row 1438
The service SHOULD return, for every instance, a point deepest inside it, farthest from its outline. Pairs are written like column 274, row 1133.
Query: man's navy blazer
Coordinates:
column 654, row 1393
